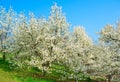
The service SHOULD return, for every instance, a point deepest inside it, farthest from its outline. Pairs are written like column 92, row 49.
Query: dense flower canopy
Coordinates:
column 40, row 42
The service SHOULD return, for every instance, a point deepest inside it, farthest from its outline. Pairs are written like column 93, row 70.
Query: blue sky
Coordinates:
column 92, row 14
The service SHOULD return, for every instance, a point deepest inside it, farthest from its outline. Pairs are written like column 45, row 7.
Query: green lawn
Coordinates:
column 11, row 75
column 34, row 75
column 6, row 76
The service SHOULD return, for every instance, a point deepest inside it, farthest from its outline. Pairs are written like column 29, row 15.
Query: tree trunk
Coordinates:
column 4, row 56
column 109, row 80
column 109, row 77
column 44, row 72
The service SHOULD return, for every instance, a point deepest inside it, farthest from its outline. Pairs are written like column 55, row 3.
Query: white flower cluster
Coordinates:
column 39, row 42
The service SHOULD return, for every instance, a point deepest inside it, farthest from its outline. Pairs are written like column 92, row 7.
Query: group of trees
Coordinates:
column 39, row 42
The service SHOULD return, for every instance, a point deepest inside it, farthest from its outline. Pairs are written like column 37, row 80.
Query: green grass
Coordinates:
column 31, row 79
column 10, row 75
column 6, row 76
column 32, row 75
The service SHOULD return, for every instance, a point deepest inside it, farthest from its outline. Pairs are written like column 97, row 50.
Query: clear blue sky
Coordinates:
column 92, row 14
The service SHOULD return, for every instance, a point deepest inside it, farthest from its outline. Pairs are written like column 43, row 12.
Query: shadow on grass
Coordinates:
column 31, row 79
column 5, row 65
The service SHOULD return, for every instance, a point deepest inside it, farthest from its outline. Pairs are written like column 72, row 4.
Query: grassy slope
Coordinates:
column 8, row 75
column 5, row 74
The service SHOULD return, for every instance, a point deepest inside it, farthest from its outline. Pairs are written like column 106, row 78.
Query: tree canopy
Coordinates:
column 40, row 42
